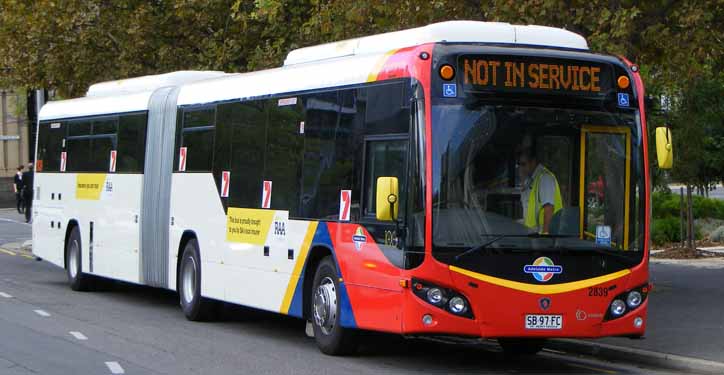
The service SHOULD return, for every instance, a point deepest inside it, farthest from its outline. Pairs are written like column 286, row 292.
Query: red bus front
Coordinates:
column 513, row 245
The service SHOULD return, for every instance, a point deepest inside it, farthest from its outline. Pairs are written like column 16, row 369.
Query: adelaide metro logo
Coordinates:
column 543, row 269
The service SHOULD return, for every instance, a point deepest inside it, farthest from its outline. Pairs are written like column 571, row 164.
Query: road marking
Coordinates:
column 115, row 368
column 8, row 252
column 5, row 295
column 592, row 368
column 27, row 256
column 14, row 221
column 78, row 335
column 42, row 312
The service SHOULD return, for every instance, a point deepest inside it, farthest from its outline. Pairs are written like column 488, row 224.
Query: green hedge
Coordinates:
column 666, row 205
column 667, row 230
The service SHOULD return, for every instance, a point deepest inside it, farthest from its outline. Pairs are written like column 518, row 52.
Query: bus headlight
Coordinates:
column 618, row 307
column 458, row 305
column 633, row 300
column 434, row 296
column 445, row 299
column 627, row 301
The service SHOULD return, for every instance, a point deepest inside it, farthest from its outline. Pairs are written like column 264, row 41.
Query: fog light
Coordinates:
column 638, row 322
column 618, row 307
column 634, row 299
column 434, row 296
column 427, row 319
column 458, row 305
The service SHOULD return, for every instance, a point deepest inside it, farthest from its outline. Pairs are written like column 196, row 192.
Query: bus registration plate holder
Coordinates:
column 543, row 321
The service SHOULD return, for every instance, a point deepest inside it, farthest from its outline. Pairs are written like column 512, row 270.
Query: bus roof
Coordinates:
column 334, row 64
column 450, row 31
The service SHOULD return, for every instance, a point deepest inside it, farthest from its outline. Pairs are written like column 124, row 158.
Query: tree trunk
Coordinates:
column 689, row 219
column 683, row 224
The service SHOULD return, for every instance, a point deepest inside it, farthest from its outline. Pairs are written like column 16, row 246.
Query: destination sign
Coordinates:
column 503, row 73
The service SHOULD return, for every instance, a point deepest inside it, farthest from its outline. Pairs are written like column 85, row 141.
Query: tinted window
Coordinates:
column 283, row 165
column 131, row 143
column 242, row 151
column 198, row 138
column 81, row 127
column 322, row 178
column 91, row 152
column 50, row 145
column 384, row 158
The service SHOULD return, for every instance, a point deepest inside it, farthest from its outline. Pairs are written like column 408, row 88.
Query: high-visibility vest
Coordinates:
column 534, row 213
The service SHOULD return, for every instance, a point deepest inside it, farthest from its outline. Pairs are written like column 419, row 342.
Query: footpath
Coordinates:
column 685, row 329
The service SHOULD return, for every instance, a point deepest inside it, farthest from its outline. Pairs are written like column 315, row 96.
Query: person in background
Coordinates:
column 18, row 188
column 28, row 192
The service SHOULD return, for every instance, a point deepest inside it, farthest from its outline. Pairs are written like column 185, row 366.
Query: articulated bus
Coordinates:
column 461, row 180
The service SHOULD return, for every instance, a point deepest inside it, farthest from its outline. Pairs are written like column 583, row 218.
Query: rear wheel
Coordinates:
column 77, row 280
column 330, row 336
column 195, row 307
column 521, row 347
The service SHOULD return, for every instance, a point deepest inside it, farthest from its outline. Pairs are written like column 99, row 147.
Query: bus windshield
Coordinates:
column 532, row 178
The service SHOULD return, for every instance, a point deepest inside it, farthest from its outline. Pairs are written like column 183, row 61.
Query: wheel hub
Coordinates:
column 73, row 261
column 188, row 280
column 325, row 305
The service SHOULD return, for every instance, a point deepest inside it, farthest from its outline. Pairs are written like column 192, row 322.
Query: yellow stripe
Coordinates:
column 8, row 252
column 542, row 289
column 294, row 277
column 378, row 66
column 27, row 256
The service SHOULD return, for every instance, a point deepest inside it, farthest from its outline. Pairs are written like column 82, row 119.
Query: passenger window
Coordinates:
column 131, row 143
column 50, row 145
column 197, row 136
column 283, row 164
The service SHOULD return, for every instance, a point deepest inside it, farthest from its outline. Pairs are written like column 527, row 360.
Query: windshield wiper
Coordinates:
column 485, row 245
column 475, row 249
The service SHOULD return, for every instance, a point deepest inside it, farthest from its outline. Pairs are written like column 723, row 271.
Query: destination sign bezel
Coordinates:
column 480, row 73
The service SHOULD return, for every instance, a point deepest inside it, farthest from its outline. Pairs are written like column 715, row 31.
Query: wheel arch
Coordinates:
column 187, row 236
column 316, row 254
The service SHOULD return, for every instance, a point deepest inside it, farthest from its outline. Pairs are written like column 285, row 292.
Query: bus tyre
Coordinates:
column 521, row 347
column 195, row 307
column 331, row 337
column 76, row 278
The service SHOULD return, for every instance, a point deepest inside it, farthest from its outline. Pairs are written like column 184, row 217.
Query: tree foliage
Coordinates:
column 67, row 45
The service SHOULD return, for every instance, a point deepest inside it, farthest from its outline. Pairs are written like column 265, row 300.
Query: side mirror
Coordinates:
column 387, row 199
column 664, row 148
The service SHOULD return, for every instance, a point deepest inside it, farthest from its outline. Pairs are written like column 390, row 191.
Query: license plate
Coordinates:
column 543, row 321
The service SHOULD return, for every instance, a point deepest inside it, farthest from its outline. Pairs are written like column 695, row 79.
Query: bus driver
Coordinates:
column 541, row 195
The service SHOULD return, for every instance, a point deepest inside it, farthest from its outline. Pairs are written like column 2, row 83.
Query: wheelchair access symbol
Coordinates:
column 623, row 99
column 449, row 90
column 603, row 235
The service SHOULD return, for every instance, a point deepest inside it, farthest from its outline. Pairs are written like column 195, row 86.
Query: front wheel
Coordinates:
column 330, row 336
column 521, row 347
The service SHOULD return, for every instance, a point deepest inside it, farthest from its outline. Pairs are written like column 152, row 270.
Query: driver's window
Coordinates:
column 384, row 157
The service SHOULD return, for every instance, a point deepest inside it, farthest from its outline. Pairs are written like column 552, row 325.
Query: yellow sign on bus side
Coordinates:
column 248, row 225
column 88, row 186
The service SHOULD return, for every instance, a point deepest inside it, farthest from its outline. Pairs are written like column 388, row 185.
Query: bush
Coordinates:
column 667, row 230
column 717, row 235
column 666, row 204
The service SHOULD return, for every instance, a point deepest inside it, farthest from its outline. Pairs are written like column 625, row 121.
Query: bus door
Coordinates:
column 378, row 267
column 604, row 189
